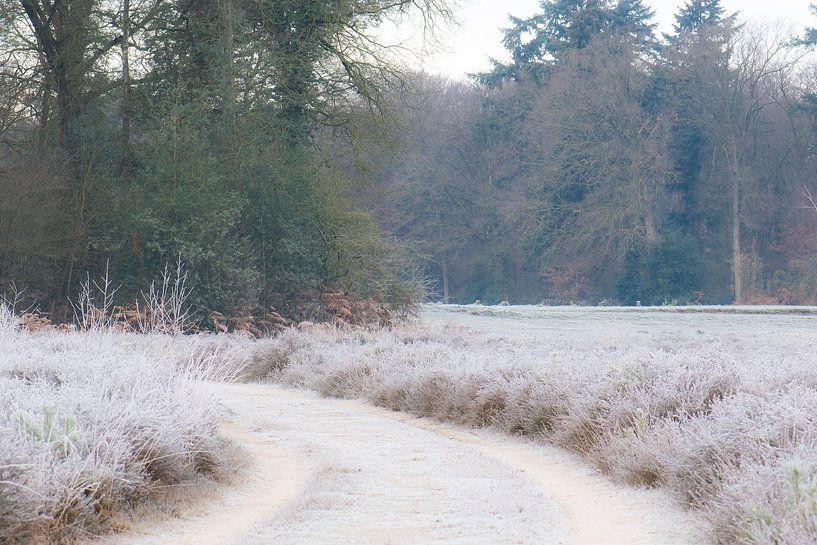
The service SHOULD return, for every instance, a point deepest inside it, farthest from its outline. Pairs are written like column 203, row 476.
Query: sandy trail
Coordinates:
column 273, row 478
column 338, row 472
column 597, row 510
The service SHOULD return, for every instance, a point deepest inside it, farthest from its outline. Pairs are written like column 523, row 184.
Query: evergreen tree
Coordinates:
column 809, row 38
column 201, row 148
column 633, row 17
column 540, row 41
column 697, row 13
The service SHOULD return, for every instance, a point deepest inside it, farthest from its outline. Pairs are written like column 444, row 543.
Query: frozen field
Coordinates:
column 717, row 406
column 99, row 422
column 610, row 323
column 95, row 423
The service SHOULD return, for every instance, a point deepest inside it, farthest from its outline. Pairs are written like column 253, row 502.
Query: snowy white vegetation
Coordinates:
column 720, row 410
column 93, row 422
column 727, row 422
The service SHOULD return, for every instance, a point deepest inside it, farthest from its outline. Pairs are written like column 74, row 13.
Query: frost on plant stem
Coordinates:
column 166, row 309
column 92, row 422
column 10, row 310
column 163, row 308
column 94, row 304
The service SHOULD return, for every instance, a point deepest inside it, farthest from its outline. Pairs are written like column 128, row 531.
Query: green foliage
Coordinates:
column 695, row 14
column 809, row 37
column 207, row 152
column 594, row 165
column 178, row 201
column 565, row 25
column 61, row 433
column 668, row 273
column 256, row 223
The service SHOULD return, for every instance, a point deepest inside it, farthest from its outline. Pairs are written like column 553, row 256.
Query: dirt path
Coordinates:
column 597, row 510
column 273, row 478
column 338, row 472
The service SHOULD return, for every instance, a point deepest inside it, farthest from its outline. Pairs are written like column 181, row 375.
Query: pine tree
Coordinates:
column 564, row 25
column 633, row 18
column 697, row 13
column 809, row 38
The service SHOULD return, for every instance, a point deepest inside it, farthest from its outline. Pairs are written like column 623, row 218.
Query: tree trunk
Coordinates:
column 126, row 102
column 737, row 271
column 63, row 36
column 227, row 18
column 45, row 113
column 446, row 296
column 732, row 150
column 650, row 231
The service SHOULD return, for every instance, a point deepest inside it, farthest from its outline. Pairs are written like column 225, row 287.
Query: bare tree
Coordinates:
column 738, row 75
column 603, row 158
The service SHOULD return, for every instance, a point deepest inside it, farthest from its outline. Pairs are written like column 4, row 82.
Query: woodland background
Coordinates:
column 278, row 148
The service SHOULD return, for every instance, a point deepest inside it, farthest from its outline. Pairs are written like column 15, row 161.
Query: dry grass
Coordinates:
column 728, row 424
column 93, row 423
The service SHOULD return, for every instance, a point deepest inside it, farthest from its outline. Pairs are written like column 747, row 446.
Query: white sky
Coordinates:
column 466, row 49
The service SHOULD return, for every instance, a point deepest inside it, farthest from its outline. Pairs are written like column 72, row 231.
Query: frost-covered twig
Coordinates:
column 94, row 304
column 10, row 308
column 165, row 307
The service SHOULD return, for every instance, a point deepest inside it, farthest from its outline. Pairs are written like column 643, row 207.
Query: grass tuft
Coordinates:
column 93, row 423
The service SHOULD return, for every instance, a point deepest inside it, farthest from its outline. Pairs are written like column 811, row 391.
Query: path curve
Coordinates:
column 272, row 478
column 338, row 472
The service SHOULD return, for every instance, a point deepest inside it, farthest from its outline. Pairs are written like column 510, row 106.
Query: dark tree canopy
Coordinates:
column 564, row 25
column 187, row 127
column 695, row 14
column 599, row 168
column 273, row 146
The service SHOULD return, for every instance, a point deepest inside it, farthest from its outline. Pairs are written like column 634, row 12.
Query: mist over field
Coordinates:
column 784, row 325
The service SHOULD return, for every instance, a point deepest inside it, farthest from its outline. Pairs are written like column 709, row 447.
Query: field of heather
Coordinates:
column 716, row 407
column 719, row 408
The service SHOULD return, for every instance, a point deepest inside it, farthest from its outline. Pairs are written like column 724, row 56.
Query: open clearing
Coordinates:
column 356, row 474
column 628, row 324
column 416, row 438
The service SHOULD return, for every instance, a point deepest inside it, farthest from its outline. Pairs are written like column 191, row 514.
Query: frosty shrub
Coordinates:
column 92, row 422
column 726, row 423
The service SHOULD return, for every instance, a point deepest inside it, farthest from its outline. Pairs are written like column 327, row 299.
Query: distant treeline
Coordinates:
column 271, row 145
column 606, row 162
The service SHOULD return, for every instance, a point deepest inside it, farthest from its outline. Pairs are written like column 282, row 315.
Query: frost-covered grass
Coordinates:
column 92, row 423
column 726, row 421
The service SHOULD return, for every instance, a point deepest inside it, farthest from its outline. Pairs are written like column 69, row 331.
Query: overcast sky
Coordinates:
column 466, row 49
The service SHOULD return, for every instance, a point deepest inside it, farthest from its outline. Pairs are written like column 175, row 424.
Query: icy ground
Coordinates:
column 626, row 323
